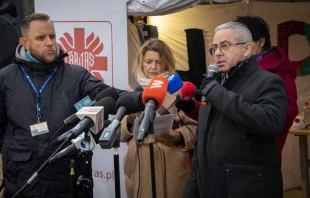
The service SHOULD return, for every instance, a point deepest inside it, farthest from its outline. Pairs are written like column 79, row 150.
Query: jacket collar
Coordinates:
column 35, row 67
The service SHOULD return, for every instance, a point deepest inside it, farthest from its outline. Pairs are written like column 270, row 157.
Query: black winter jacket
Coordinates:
column 22, row 153
column 236, row 155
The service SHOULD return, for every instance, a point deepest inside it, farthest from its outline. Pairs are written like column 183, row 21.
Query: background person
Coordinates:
column 273, row 59
column 39, row 77
column 236, row 154
column 171, row 151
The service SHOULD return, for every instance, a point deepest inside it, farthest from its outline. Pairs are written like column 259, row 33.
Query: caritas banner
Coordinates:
column 94, row 34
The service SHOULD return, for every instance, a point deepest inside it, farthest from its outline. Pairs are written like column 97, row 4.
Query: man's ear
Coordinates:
column 247, row 49
column 24, row 42
column 262, row 42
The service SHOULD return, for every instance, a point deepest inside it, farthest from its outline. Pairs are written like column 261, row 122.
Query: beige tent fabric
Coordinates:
column 207, row 17
column 133, row 47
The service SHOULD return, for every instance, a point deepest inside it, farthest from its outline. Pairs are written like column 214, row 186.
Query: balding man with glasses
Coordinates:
column 236, row 154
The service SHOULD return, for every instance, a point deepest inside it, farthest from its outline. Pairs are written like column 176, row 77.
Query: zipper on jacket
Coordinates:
column 209, row 148
column 65, row 99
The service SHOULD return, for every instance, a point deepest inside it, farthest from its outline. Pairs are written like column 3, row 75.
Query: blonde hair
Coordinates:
column 164, row 51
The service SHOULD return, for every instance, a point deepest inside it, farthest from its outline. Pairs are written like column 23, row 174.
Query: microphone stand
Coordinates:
column 116, row 145
column 152, row 162
column 151, row 140
column 73, row 178
column 36, row 174
column 86, row 181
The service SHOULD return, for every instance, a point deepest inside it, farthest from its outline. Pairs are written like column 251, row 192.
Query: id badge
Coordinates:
column 39, row 129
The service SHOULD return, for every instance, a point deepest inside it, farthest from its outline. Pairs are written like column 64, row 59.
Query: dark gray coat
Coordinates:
column 236, row 155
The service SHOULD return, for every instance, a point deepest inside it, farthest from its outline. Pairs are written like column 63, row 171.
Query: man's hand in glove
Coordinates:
column 202, row 90
column 171, row 139
column 185, row 105
column 205, row 81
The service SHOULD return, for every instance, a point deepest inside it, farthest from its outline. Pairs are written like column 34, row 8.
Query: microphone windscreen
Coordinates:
column 187, row 91
column 109, row 106
column 212, row 70
column 128, row 102
column 156, row 90
column 110, row 91
column 174, row 83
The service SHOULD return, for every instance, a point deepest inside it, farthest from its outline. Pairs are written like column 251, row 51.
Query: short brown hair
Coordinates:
column 32, row 17
column 164, row 52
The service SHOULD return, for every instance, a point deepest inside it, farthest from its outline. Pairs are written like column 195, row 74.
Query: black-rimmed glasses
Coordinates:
column 224, row 47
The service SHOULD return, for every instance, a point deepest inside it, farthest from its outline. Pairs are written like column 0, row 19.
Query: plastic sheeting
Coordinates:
column 158, row 7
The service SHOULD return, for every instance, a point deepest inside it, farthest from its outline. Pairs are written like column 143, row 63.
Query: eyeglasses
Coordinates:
column 224, row 48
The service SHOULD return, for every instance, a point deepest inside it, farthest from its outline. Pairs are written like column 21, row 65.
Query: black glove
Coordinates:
column 185, row 105
column 205, row 81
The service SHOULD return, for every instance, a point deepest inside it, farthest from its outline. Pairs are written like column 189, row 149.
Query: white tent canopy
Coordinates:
column 158, row 7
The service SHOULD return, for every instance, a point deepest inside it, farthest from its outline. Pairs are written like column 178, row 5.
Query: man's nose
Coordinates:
column 49, row 41
column 218, row 52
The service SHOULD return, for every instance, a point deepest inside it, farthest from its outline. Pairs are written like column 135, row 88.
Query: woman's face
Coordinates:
column 151, row 64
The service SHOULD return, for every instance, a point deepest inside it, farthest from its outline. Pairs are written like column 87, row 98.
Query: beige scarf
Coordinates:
column 144, row 81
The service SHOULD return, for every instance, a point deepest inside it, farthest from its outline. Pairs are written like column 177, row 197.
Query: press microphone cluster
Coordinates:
column 153, row 97
column 91, row 119
column 124, row 105
column 79, row 144
column 108, row 92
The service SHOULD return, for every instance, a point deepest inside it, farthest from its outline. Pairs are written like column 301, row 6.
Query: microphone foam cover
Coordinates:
column 109, row 106
column 213, row 67
column 174, row 83
column 187, row 91
column 156, row 90
column 110, row 91
column 128, row 102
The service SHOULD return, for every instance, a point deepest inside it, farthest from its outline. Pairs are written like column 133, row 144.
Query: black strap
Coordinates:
column 136, row 86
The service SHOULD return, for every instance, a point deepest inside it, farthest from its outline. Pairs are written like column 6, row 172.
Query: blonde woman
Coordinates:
column 171, row 151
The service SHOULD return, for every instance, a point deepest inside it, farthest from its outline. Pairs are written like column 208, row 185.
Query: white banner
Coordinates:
column 94, row 34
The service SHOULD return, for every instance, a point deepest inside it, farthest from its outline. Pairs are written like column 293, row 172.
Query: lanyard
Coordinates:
column 40, row 90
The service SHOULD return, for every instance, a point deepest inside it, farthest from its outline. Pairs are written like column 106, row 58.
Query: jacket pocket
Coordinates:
column 244, row 180
column 17, row 163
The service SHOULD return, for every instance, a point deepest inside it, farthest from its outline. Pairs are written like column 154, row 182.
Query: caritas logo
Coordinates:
column 88, row 44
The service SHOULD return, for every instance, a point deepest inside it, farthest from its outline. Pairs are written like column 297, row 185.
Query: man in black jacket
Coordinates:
column 236, row 154
column 38, row 91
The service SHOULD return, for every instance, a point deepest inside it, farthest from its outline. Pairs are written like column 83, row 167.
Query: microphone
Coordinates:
column 69, row 150
column 108, row 92
column 109, row 135
column 187, row 91
column 212, row 70
column 78, row 144
column 174, row 83
column 92, row 118
column 153, row 97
